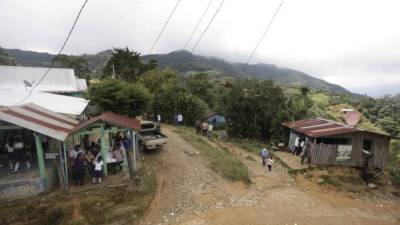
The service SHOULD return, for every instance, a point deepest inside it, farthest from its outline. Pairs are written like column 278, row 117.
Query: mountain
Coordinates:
column 187, row 63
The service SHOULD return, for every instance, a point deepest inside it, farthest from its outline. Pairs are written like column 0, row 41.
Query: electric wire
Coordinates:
column 208, row 25
column 263, row 35
column 58, row 54
column 198, row 24
column 165, row 26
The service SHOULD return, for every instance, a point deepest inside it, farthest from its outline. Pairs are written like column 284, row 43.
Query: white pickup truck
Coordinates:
column 150, row 136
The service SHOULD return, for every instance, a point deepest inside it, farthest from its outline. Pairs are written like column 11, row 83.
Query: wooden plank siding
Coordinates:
column 325, row 154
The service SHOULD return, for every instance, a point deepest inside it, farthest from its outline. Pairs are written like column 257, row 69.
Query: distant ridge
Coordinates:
column 186, row 63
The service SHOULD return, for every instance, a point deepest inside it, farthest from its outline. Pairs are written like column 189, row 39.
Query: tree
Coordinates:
column 120, row 97
column 199, row 85
column 155, row 79
column 175, row 99
column 254, row 109
column 78, row 63
column 127, row 65
column 6, row 59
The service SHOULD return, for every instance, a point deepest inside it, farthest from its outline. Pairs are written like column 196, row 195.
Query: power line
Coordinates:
column 165, row 25
column 198, row 24
column 264, row 34
column 59, row 53
column 208, row 25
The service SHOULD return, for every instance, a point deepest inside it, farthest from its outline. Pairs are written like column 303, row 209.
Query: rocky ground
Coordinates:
column 189, row 193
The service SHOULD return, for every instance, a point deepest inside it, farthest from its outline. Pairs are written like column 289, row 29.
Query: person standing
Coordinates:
column 158, row 118
column 78, row 169
column 306, row 152
column 10, row 153
column 264, row 155
column 118, row 154
column 198, row 127
column 98, row 170
column 21, row 155
column 269, row 163
column 204, row 128
column 210, row 131
column 296, row 145
column 180, row 119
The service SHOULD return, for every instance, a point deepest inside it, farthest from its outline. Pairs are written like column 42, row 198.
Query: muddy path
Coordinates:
column 189, row 193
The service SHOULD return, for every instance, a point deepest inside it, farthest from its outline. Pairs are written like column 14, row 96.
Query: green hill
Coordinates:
column 187, row 63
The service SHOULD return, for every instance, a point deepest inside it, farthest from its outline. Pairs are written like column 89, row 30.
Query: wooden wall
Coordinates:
column 325, row 155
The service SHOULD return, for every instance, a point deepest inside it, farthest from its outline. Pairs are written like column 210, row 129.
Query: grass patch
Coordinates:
column 330, row 180
column 250, row 158
column 221, row 160
column 102, row 205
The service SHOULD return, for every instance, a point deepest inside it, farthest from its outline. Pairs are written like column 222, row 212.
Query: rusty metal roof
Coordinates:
column 40, row 120
column 320, row 127
column 112, row 119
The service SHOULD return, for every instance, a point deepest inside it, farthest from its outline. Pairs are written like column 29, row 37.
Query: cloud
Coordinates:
column 345, row 42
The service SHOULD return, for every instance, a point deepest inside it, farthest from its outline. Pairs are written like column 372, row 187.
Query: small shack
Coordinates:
column 102, row 130
column 336, row 144
column 216, row 118
column 43, row 133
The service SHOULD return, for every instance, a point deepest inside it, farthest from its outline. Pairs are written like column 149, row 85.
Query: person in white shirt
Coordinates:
column 210, row 131
column 98, row 169
column 180, row 119
column 269, row 163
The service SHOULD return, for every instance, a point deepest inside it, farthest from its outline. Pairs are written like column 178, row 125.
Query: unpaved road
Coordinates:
column 189, row 193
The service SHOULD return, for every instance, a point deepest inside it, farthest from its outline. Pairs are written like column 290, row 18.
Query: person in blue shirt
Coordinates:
column 264, row 155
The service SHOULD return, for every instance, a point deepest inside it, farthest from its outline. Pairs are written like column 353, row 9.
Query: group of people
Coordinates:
column 266, row 159
column 302, row 147
column 91, row 161
column 17, row 153
column 204, row 128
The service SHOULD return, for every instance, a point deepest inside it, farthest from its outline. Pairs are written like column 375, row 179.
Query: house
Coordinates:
column 58, row 80
column 44, row 133
column 336, row 144
column 215, row 118
column 48, row 136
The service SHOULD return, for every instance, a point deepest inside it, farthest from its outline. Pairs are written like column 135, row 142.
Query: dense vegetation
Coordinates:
column 186, row 63
column 6, row 59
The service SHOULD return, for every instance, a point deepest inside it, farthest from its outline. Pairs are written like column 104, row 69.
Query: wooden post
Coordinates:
column 40, row 157
column 103, row 149
column 65, row 161
column 130, row 157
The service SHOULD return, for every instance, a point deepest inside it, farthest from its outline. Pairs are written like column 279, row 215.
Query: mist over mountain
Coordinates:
column 187, row 63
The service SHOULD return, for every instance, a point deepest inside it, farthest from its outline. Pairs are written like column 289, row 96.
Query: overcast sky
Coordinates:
column 353, row 43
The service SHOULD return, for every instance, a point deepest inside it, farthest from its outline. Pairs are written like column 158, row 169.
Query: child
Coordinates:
column 269, row 163
column 98, row 169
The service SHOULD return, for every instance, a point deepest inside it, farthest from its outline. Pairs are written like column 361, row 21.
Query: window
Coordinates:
column 343, row 153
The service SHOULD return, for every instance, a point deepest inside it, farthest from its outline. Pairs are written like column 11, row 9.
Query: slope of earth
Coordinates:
column 189, row 193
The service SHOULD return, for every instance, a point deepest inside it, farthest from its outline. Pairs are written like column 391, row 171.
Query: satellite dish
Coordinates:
column 28, row 84
column 352, row 118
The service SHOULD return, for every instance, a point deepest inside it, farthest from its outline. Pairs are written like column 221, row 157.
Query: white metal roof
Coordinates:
column 54, row 102
column 40, row 120
column 81, row 85
column 57, row 80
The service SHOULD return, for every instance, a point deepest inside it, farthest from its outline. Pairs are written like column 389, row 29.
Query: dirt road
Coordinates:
column 189, row 193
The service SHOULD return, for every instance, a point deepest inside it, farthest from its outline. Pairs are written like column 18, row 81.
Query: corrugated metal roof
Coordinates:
column 320, row 127
column 81, row 85
column 112, row 119
column 54, row 102
column 323, row 127
column 40, row 120
column 58, row 80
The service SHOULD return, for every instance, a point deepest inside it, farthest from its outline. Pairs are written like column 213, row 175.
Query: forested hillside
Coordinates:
column 187, row 63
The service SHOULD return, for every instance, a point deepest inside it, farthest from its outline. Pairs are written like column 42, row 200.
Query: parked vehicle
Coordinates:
column 150, row 136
